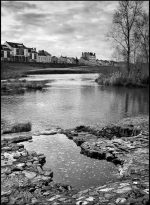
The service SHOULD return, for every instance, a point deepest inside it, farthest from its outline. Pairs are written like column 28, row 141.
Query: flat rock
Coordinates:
column 29, row 175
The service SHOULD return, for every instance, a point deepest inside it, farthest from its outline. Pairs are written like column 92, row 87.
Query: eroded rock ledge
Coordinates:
column 124, row 144
column 24, row 181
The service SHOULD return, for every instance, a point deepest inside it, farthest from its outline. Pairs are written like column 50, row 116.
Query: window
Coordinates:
column 17, row 51
column 2, row 53
column 21, row 51
column 8, row 54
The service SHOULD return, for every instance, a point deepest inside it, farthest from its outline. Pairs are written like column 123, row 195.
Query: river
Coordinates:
column 71, row 100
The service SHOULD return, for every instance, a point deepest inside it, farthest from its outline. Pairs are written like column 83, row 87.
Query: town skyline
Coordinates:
column 61, row 28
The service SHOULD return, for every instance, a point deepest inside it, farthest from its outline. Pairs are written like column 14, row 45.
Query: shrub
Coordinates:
column 20, row 86
column 123, row 79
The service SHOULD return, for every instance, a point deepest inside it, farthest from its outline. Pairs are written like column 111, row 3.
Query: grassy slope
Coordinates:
column 16, row 70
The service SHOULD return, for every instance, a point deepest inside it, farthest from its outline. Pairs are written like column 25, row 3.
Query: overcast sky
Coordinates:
column 65, row 28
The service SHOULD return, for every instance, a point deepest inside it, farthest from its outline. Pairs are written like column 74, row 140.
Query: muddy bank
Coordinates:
column 24, row 181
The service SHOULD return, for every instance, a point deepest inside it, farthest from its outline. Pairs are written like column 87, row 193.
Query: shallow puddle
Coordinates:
column 69, row 166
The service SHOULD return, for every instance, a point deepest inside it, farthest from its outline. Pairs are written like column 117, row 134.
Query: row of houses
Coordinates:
column 18, row 52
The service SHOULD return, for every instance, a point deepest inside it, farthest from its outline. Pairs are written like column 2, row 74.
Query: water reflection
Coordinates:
column 68, row 105
column 129, row 101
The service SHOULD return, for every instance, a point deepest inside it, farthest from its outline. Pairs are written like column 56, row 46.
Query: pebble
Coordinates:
column 42, row 157
column 106, row 189
column 46, row 193
column 29, row 164
column 2, row 157
column 32, row 153
column 39, row 154
column 90, row 199
column 36, row 162
column 135, row 182
column 30, row 140
column 108, row 195
column 40, row 170
column 5, row 193
column 29, row 175
column 20, row 145
column 53, row 198
column 62, row 199
column 24, row 154
column 79, row 203
column 34, row 201
column 120, row 200
column 146, row 191
column 8, row 171
column 21, row 165
column 16, row 155
column 35, row 158
column 21, row 149
column 48, row 173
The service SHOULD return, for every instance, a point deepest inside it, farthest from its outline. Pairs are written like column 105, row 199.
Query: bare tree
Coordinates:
column 117, row 54
column 124, row 20
column 142, row 34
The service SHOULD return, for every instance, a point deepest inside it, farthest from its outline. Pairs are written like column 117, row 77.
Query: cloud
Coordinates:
column 60, row 27
column 13, row 6
column 34, row 19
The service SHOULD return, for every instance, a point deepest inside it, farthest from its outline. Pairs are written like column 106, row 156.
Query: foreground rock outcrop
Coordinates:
column 23, row 179
column 126, row 144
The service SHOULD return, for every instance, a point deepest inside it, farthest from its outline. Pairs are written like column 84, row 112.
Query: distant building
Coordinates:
column 44, row 57
column 62, row 59
column 5, row 53
column 86, row 62
column 32, row 55
column 54, row 59
column 89, row 56
column 19, row 52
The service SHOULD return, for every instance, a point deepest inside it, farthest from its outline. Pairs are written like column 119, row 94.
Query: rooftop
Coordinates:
column 43, row 53
column 4, row 47
column 33, row 50
column 16, row 45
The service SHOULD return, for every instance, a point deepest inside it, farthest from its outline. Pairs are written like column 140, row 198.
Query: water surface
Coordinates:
column 69, row 101
column 74, row 99
column 68, row 165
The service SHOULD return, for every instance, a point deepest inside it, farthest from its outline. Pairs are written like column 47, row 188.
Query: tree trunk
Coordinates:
column 128, row 52
column 128, row 61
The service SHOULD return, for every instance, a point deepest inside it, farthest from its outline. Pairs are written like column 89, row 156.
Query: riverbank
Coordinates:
column 139, row 80
column 12, row 70
column 125, row 144
column 10, row 87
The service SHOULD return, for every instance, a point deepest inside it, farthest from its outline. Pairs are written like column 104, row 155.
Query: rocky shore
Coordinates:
column 126, row 144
